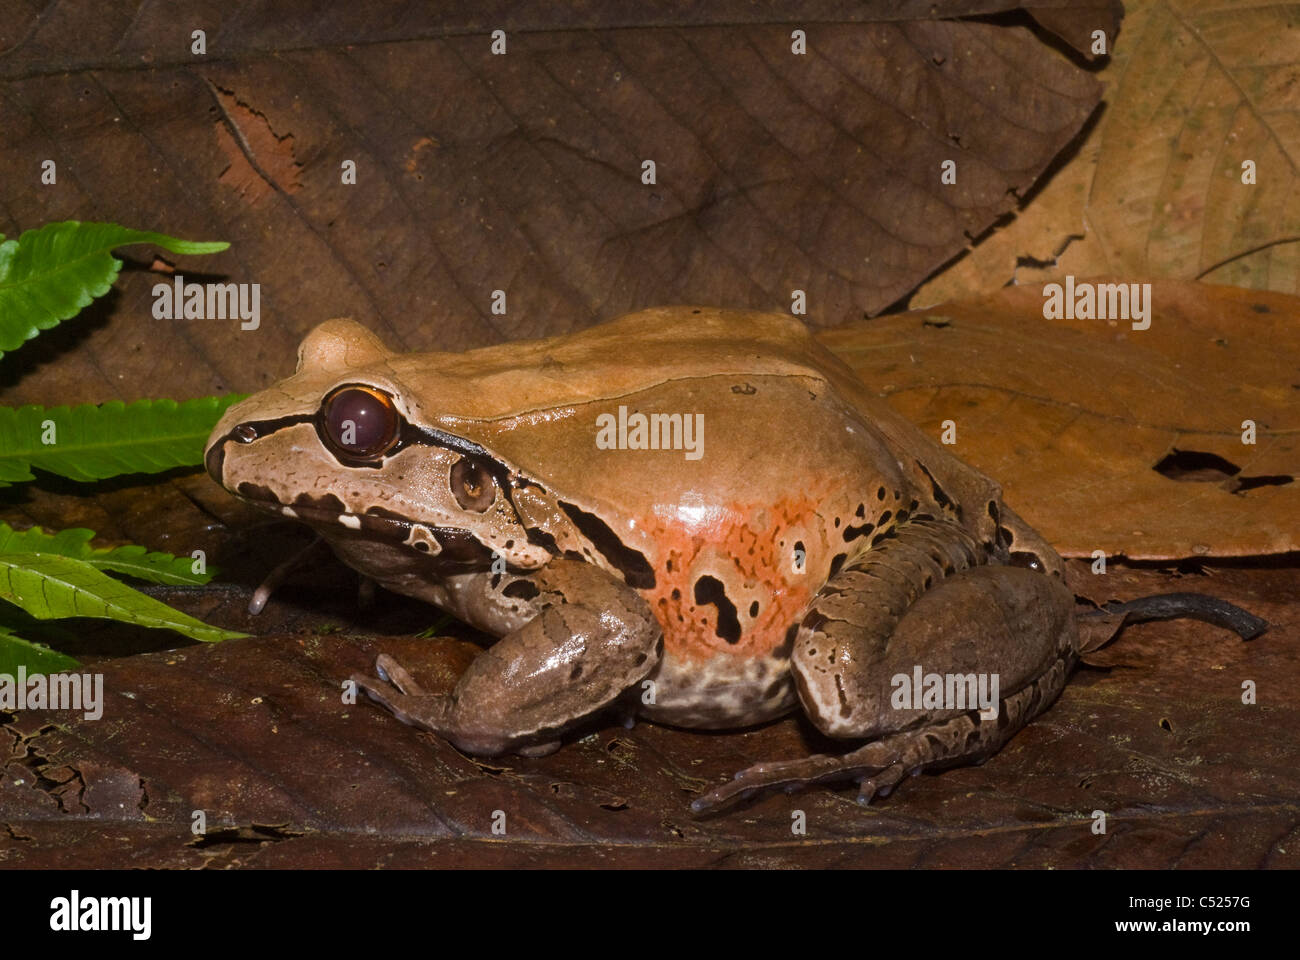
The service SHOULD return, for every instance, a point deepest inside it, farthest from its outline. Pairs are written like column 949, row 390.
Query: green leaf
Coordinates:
column 93, row 442
column 48, row 586
column 132, row 560
column 48, row 275
column 16, row 652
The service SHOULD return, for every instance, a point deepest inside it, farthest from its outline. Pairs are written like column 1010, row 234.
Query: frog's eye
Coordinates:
column 360, row 422
column 472, row 485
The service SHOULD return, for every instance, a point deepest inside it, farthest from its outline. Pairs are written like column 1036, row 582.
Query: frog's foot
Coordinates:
column 877, row 767
column 881, row 765
column 571, row 660
column 405, row 699
column 397, row 690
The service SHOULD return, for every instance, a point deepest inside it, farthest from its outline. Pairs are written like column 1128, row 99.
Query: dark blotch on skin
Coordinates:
column 255, row 491
column 330, row 504
column 753, row 609
column 215, row 459
column 521, row 590
column 540, row 538
column 381, row 513
column 461, row 547
column 635, row 568
column 852, row 533
column 845, row 709
column 836, row 562
column 940, row 497
column 783, row 649
column 710, row 590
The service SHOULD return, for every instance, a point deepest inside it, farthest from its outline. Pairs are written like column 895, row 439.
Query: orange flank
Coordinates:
column 743, row 571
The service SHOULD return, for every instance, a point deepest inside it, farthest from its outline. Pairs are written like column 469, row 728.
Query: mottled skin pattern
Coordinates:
column 817, row 546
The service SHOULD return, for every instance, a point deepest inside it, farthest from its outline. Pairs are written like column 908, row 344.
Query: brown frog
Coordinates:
column 697, row 515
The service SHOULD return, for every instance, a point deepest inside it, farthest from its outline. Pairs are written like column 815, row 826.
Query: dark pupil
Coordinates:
column 361, row 422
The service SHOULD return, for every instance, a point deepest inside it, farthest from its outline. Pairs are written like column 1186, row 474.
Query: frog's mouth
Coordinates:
column 452, row 546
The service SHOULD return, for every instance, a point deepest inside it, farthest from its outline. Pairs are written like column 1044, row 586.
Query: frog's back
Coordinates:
column 786, row 467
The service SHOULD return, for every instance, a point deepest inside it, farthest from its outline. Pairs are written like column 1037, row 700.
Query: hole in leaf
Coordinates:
column 1195, row 466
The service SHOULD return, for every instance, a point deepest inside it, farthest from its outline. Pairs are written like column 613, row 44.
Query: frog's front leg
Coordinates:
column 591, row 639
column 927, row 598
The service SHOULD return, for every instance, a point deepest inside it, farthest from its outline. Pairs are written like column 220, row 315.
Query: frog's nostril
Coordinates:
column 215, row 458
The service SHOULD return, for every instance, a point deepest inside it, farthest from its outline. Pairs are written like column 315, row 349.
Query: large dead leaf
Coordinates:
column 1104, row 437
column 254, row 734
column 1193, row 91
column 520, row 172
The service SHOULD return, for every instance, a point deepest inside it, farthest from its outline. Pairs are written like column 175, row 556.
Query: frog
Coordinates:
column 694, row 516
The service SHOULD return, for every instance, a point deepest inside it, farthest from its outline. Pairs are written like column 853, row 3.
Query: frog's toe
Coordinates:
column 789, row 776
column 390, row 671
column 880, row 784
column 403, row 698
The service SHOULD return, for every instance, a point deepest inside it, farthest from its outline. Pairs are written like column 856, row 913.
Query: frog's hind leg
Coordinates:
column 881, row 764
column 924, row 603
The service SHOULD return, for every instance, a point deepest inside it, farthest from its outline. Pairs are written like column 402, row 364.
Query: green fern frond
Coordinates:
column 132, row 560
column 16, row 652
column 94, row 442
column 48, row 275
column 49, row 586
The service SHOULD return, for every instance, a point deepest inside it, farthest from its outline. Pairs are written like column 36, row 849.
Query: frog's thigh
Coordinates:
column 922, row 601
column 856, row 667
column 592, row 638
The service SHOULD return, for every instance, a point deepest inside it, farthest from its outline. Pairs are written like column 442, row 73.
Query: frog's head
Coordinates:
column 347, row 445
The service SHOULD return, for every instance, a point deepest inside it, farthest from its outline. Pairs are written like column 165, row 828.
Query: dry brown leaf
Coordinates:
column 1193, row 90
column 523, row 172
column 1073, row 417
